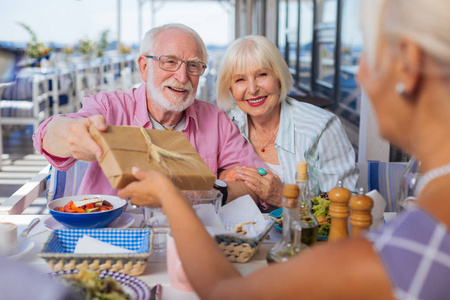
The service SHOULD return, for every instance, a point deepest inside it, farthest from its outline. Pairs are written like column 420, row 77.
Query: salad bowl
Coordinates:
column 97, row 217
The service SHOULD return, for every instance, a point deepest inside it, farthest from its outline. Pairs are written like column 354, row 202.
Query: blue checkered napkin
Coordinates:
column 64, row 241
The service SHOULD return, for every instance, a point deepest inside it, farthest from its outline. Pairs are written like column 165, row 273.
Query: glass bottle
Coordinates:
column 308, row 221
column 290, row 244
column 408, row 183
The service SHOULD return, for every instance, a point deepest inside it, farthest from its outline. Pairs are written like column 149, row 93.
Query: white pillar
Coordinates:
column 119, row 24
column 271, row 20
column 249, row 17
column 371, row 145
column 139, row 20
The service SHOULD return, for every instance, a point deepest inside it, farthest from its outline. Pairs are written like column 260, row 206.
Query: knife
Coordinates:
column 156, row 292
column 30, row 226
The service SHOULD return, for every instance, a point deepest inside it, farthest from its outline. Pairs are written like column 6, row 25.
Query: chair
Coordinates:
column 383, row 177
column 25, row 103
column 56, row 184
column 65, row 183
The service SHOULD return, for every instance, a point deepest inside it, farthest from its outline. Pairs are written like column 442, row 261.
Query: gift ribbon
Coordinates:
column 160, row 155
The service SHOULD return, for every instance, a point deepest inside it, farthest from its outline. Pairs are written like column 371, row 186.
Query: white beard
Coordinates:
column 176, row 104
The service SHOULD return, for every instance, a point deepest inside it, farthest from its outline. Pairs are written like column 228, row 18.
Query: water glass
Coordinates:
column 156, row 219
column 203, row 197
column 408, row 182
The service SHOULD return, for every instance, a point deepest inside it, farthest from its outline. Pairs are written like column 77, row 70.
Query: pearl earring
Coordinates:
column 400, row 89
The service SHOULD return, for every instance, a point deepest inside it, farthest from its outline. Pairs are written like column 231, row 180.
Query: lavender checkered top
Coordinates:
column 415, row 250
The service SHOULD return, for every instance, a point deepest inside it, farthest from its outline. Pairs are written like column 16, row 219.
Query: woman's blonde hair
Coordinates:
column 424, row 21
column 246, row 54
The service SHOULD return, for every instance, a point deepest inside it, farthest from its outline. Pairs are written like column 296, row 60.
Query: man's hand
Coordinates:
column 66, row 137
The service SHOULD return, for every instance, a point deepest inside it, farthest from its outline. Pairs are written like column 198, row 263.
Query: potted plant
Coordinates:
column 35, row 49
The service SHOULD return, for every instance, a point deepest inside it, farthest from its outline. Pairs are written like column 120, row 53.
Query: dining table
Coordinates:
column 156, row 269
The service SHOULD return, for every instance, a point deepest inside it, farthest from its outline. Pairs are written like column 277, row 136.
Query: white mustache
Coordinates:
column 172, row 82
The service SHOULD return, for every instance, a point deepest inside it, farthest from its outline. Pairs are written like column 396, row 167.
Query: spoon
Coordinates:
column 30, row 226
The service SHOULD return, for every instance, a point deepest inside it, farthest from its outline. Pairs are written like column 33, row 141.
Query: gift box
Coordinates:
column 170, row 152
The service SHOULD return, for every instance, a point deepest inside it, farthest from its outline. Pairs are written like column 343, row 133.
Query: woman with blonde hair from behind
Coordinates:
column 405, row 70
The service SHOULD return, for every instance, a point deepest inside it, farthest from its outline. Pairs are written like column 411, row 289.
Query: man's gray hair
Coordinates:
column 149, row 41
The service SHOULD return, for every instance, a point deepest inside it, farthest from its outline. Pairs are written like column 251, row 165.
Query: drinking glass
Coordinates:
column 204, row 197
column 156, row 219
column 408, row 182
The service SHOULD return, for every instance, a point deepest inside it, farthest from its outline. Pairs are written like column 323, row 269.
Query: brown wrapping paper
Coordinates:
column 125, row 147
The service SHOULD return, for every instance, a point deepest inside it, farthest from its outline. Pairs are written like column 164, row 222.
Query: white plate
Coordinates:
column 124, row 221
column 133, row 286
column 24, row 245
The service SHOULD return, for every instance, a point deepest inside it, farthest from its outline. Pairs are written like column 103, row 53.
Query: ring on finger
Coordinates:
column 262, row 171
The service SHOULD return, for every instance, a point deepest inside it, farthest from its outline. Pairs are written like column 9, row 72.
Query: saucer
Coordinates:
column 24, row 245
column 124, row 221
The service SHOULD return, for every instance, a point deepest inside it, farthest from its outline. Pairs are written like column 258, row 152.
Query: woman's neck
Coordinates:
column 266, row 125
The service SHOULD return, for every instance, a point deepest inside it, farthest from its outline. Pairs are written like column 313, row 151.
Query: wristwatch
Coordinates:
column 222, row 187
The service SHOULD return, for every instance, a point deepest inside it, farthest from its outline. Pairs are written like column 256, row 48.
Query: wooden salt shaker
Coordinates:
column 339, row 212
column 360, row 218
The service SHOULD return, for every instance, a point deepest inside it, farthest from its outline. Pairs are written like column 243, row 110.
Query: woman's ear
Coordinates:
column 143, row 67
column 411, row 67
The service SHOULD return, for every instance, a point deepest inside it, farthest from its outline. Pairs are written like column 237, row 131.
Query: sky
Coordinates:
column 68, row 21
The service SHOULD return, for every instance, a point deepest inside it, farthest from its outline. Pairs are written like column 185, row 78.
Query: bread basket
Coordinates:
column 240, row 248
column 59, row 249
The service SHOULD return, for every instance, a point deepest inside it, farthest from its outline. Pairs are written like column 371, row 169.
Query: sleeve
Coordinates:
column 92, row 105
column 234, row 149
column 336, row 158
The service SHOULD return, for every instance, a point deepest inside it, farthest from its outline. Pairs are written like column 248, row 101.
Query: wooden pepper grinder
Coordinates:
column 339, row 212
column 360, row 218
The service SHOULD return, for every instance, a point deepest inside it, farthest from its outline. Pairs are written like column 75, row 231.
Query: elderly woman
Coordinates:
column 405, row 69
column 253, row 81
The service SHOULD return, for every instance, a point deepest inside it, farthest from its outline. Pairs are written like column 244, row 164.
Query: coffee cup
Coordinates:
column 177, row 276
column 8, row 238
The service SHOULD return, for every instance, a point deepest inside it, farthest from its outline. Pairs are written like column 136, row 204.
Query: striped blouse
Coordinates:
column 309, row 133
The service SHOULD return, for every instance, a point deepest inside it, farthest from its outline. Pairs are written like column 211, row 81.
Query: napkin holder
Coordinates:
column 240, row 248
column 59, row 248
column 125, row 147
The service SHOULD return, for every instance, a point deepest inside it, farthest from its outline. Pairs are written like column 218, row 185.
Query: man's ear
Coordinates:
column 143, row 67
column 411, row 65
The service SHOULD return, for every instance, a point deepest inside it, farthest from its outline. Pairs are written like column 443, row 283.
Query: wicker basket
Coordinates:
column 59, row 248
column 239, row 248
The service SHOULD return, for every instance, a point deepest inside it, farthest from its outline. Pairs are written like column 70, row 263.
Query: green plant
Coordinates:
column 34, row 48
column 86, row 47
column 103, row 42
column 68, row 50
column 124, row 49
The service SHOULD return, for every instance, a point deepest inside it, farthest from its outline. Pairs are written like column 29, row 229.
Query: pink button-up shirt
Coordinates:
column 208, row 128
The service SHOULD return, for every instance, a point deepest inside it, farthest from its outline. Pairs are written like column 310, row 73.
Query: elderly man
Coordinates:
column 172, row 59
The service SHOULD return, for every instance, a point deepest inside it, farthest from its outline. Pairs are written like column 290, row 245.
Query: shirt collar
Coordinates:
column 140, row 96
column 191, row 115
column 239, row 119
column 286, row 133
column 286, row 138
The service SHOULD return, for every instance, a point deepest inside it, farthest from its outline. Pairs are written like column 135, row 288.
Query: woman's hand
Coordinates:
column 150, row 190
column 268, row 187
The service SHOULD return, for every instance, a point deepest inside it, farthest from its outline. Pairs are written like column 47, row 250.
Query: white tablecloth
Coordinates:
column 156, row 270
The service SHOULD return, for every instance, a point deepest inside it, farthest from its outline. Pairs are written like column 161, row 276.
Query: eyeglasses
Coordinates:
column 172, row 64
